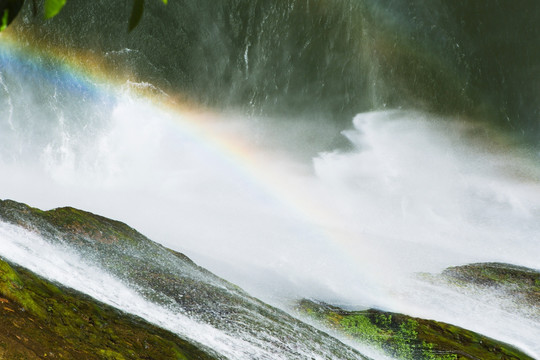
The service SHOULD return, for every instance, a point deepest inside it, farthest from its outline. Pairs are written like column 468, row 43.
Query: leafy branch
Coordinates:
column 9, row 9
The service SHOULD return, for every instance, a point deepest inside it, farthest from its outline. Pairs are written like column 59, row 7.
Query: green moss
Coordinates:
column 407, row 338
column 9, row 276
column 82, row 223
column 38, row 317
column 519, row 283
column 110, row 355
column 361, row 327
column 178, row 354
column 73, row 223
column 496, row 274
column 12, row 287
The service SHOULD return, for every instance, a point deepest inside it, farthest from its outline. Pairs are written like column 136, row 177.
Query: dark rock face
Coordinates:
column 330, row 58
column 171, row 279
column 406, row 337
column 39, row 319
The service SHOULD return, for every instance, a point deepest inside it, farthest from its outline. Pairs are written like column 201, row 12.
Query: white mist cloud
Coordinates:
column 414, row 194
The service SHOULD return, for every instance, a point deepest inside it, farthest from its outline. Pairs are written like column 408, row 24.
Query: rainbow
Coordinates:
column 204, row 127
column 86, row 74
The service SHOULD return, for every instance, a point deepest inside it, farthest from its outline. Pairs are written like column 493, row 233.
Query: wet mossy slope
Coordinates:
column 170, row 279
column 41, row 320
column 408, row 338
column 519, row 282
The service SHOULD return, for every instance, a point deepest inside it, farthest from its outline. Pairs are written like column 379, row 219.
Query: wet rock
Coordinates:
column 406, row 337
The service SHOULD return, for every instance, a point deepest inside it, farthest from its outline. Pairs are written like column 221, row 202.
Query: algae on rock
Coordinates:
column 521, row 283
column 39, row 319
column 409, row 338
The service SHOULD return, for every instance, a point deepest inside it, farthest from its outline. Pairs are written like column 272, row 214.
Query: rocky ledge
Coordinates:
column 409, row 338
column 42, row 320
column 520, row 283
column 171, row 280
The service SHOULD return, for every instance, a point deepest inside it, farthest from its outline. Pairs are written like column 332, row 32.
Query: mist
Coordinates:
column 402, row 192
column 287, row 206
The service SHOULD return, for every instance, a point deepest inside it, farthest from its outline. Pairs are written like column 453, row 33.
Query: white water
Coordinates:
column 432, row 186
column 416, row 193
column 66, row 267
column 427, row 194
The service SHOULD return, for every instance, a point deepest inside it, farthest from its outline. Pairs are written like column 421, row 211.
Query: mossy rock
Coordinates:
column 409, row 338
column 39, row 319
column 171, row 279
column 73, row 223
column 521, row 282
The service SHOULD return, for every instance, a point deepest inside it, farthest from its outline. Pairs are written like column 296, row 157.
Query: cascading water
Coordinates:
column 398, row 192
column 425, row 194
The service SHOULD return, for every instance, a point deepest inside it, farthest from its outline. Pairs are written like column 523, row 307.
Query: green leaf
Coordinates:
column 53, row 7
column 136, row 14
column 165, row 2
column 8, row 12
column 4, row 20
